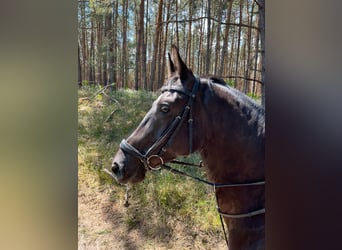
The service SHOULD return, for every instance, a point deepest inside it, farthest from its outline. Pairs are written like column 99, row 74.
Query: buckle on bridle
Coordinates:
column 148, row 160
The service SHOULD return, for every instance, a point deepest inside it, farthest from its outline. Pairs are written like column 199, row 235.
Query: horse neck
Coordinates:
column 233, row 142
column 233, row 152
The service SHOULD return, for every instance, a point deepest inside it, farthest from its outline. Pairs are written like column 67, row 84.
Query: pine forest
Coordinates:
column 125, row 43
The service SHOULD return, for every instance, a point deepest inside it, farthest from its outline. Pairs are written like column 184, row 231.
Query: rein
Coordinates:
column 219, row 185
column 215, row 185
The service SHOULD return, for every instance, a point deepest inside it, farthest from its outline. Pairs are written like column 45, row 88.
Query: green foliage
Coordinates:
column 229, row 82
column 254, row 96
column 85, row 83
column 162, row 194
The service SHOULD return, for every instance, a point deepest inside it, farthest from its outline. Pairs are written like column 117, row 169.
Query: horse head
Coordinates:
column 162, row 135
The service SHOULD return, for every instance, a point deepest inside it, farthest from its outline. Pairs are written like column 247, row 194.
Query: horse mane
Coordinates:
column 214, row 79
column 241, row 100
column 235, row 92
column 240, row 97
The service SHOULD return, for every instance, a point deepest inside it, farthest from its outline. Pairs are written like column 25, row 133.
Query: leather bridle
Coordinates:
column 164, row 141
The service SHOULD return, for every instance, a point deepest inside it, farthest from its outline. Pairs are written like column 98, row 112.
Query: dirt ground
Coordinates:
column 101, row 224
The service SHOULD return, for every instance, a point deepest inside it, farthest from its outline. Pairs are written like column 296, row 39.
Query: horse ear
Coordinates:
column 171, row 66
column 181, row 68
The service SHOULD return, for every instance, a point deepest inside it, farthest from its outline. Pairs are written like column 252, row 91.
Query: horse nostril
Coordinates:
column 115, row 168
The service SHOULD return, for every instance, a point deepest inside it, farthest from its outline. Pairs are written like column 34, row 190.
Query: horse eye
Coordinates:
column 164, row 108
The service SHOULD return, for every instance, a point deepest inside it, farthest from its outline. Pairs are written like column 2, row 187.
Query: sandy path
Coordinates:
column 102, row 224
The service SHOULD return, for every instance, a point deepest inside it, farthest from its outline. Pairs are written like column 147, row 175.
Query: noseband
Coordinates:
column 166, row 138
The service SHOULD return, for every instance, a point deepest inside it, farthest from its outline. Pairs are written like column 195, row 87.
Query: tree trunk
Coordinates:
column 249, row 43
column 84, row 47
column 262, row 47
column 124, row 58
column 156, row 44
column 230, row 60
column 143, row 53
column 159, row 67
column 99, row 61
column 79, row 66
column 200, row 45
column 255, row 69
column 218, row 37
column 208, row 52
column 115, row 44
column 238, row 45
column 91, row 63
column 224, row 52
column 163, row 68
column 188, row 46
column 177, row 31
column 108, row 43
column 139, row 47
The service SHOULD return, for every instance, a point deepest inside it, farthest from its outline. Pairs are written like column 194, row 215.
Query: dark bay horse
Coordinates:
column 225, row 126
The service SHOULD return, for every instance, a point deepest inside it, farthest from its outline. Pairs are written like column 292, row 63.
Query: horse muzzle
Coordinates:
column 118, row 171
column 126, row 170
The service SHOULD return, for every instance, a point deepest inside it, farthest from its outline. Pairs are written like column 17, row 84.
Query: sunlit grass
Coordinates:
column 162, row 194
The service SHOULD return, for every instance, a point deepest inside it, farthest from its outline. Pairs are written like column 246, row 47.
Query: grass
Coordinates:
column 162, row 194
